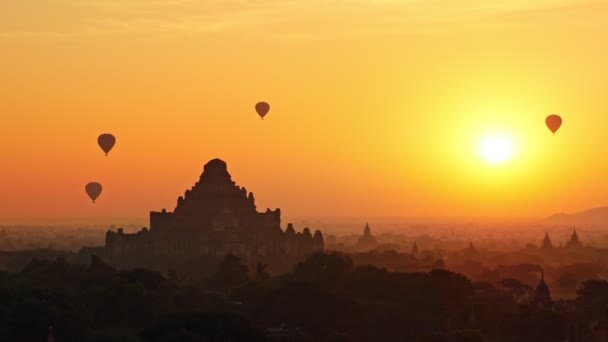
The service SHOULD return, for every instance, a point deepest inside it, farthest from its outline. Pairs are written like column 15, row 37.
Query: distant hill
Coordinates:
column 595, row 216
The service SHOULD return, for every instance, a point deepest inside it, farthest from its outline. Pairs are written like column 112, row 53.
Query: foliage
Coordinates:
column 324, row 298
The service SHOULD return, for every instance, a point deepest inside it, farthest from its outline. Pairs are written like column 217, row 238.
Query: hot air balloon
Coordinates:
column 262, row 108
column 106, row 142
column 553, row 121
column 93, row 190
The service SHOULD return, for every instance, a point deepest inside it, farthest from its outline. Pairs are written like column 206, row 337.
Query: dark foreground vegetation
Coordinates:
column 325, row 298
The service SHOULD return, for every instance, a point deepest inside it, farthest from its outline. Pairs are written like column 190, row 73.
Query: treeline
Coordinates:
column 325, row 298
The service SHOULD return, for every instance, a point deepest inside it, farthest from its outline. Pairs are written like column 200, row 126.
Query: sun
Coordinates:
column 495, row 149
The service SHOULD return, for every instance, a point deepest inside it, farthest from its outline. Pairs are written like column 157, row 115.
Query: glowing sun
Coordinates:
column 496, row 149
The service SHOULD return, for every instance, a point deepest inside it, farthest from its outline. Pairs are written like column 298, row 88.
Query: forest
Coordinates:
column 325, row 298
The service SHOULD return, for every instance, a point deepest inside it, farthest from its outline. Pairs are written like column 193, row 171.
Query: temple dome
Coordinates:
column 216, row 164
column 216, row 171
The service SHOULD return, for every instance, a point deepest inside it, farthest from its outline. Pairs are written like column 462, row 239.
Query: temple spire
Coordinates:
column 471, row 251
column 547, row 242
column 366, row 241
column 367, row 231
column 542, row 297
column 415, row 250
column 542, row 274
column 574, row 237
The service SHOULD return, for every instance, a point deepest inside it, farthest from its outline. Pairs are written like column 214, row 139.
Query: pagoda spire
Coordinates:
column 574, row 237
column 415, row 250
column 366, row 241
column 542, row 274
column 547, row 242
column 367, row 231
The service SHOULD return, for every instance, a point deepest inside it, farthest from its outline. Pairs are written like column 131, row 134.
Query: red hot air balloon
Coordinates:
column 106, row 142
column 553, row 121
column 93, row 190
column 262, row 108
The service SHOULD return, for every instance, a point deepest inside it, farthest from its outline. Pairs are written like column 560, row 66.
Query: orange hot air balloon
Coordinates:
column 106, row 142
column 93, row 190
column 262, row 108
column 553, row 121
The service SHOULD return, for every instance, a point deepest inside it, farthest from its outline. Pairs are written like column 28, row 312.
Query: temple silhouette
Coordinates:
column 542, row 296
column 366, row 241
column 573, row 244
column 214, row 218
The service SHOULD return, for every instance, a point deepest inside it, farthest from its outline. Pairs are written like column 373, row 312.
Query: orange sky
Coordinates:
column 376, row 106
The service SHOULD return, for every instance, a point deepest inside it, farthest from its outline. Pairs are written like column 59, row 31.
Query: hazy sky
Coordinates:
column 377, row 107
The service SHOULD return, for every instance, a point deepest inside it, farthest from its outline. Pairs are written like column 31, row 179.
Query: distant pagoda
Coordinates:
column 415, row 250
column 366, row 241
column 547, row 245
column 471, row 251
column 574, row 241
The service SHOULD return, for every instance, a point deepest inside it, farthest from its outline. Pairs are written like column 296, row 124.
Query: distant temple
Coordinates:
column 366, row 241
column 542, row 297
column 574, row 242
column 471, row 251
column 214, row 218
column 415, row 250
column 547, row 242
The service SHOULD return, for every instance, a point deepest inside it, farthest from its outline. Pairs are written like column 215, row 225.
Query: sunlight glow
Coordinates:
column 496, row 149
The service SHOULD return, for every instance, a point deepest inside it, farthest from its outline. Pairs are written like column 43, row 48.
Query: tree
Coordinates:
column 328, row 270
column 316, row 311
column 567, row 280
column 146, row 278
column 210, row 326
column 592, row 291
column 593, row 298
column 231, row 274
column 514, row 287
column 547, row 326
column 261, row 272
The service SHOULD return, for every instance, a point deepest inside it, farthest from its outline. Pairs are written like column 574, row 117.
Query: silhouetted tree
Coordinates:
column 514, row 287
column 202, row 327
column 567, row 280
column 548, row 326
column 329, row 269
column 231, row 274
column 317, row 312
column 261, row 272
column 593, row 298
